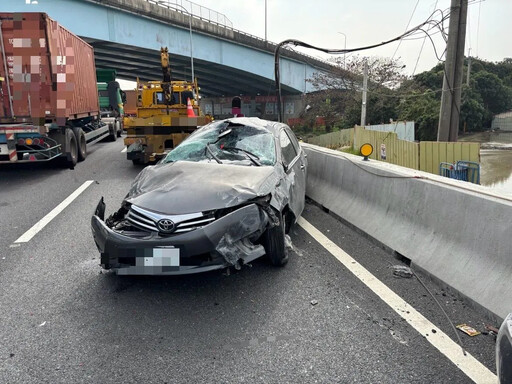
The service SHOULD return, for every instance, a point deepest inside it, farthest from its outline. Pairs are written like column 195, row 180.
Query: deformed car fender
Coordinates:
column 235, row 244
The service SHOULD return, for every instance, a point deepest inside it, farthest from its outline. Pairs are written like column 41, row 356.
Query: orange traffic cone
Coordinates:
column 190, row 110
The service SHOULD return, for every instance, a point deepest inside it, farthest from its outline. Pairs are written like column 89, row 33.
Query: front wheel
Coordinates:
column 273, row 242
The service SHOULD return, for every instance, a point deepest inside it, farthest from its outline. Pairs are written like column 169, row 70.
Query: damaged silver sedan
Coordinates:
column 222, row 198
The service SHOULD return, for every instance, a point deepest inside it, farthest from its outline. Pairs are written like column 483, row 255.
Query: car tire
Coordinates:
column 274, row 244
column 81, row 143
column 137, row 162
column 289, row 220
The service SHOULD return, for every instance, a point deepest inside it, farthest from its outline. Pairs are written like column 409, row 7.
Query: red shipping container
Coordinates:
column 48, row 71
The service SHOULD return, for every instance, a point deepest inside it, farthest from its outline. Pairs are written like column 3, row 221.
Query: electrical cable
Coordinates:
column 478, row 28
column 419, row 55
column 330, row 51
column 422, row 45
column 408, row 23
column 442, row 310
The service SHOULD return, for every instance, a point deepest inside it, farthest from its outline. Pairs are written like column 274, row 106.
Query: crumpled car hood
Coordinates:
column 186, row 187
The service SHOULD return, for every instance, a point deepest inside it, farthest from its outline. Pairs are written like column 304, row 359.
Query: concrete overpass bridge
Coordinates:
column 127, row 35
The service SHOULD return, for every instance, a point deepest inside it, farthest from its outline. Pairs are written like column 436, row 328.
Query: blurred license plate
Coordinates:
column 163, row 257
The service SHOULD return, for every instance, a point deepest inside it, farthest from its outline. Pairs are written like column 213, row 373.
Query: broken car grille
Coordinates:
column 147, row 220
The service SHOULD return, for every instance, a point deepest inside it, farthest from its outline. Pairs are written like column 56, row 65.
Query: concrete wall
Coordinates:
column 403, row 129
column 264, row 107
column 503, row 122
column 459, row 232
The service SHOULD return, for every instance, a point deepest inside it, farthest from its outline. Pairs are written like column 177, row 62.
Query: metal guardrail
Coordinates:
column 220, row 19
column 195, row 10
column 461, row 170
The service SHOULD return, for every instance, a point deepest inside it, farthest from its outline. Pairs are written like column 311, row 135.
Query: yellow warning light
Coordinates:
column 366, row 150
column 28, row 141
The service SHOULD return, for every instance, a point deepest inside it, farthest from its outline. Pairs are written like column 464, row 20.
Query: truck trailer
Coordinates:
column 48, row 95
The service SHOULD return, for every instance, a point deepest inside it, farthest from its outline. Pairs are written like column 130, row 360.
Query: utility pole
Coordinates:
column 365, row 89
column 265, row 20
column 448, row 128
column 469, row 67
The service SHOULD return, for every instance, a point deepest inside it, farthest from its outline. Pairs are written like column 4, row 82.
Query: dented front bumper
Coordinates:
column 223, row 243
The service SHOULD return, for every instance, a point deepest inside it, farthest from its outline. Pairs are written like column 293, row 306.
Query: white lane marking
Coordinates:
column 52, row 214
column 124, row 149
column 475, row 370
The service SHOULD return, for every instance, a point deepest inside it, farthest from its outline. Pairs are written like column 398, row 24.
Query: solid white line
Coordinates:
column 475, row 370
column 51, row 215
column 124, row 149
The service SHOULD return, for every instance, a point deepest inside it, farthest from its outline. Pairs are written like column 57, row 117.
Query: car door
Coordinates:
column 294, row 163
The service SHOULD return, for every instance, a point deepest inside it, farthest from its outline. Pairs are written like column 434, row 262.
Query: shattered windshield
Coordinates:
column 240, row 144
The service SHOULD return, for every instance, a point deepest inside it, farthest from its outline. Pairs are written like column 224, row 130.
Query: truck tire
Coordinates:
column 113, row 133
column 81, row 142
column 273, row 242
column 71, row 156
column 119, row 128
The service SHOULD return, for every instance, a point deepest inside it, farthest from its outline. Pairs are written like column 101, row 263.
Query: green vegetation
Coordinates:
column 393, row 96
column 351, row 150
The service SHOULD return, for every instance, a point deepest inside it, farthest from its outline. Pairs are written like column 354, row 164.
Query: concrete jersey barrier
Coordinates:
column 459, row 232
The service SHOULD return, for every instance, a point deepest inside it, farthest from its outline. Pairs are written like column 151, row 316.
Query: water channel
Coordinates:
column 495, row 159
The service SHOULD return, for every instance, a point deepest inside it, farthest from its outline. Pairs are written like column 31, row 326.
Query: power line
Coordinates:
column 410, row 19
column 334, row 51
column 478, row 28
column 422, row 45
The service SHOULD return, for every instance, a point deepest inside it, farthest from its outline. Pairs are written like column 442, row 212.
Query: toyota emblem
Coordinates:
column 166, row 225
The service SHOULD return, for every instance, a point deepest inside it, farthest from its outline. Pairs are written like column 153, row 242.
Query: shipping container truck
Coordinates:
column 111, row 99
column 48, row 97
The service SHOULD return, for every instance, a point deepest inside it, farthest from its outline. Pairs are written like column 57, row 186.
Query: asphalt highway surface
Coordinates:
column 64, row 320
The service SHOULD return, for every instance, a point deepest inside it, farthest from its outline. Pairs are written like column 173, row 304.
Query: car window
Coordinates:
column 288, row 151
column 293, row 139
column 257, row 141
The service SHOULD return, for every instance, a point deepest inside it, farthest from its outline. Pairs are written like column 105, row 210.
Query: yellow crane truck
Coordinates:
column 162, row 120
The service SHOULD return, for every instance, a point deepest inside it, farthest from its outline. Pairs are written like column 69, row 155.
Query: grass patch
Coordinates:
column 350, row 150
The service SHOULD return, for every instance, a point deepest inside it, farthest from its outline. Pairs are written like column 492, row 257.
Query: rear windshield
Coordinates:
column 257, row 141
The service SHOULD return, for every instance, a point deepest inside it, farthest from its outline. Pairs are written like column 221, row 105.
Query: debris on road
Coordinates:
column 289, row 245
column 490, row 328
column 314, row 302
column 43, row 323
column 467, row 329
column 402, row 271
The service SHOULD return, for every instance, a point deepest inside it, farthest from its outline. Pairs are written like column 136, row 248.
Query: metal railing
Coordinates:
column 215, row 17
column 461, row 170
column 195, row 10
